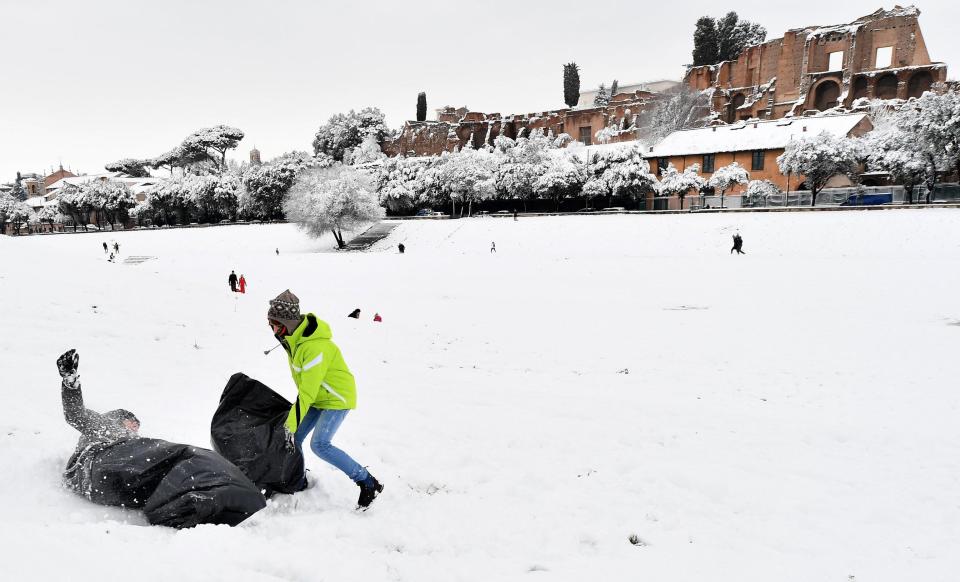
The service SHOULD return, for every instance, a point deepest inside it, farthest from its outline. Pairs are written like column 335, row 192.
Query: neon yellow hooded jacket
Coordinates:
column 319, row 371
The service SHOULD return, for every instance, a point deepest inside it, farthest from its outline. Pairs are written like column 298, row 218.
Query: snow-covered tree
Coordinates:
column 892, row 148
column 211, row 143
column 759, row 190
column 399, row 182
column 933, row 123
column 265, row 185
column 606, row 134
column 337, row 199
column 468, row 177
column 565, row 175
column 681, row 109
column 18, row 214
column 130, row 166
column 819, row 158
column 518, row 168
column 345, row 131
column 11, row 210
column 726, row 177
column 111, row 200
column 614, row 87
column 51, row 214
column 368, row 152
column 676, row 183
column 602, row 99
column 623, row 172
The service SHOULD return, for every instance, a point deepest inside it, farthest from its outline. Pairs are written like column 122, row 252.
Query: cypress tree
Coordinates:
column 614, row 88
column 422, row 107
column 706, row 45
column 571, row 84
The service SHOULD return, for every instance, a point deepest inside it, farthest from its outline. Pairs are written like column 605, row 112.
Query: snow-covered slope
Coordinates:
column 785, row 415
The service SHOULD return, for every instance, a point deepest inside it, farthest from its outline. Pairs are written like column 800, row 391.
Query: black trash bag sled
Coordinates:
column 247, row 429
column 176, row 485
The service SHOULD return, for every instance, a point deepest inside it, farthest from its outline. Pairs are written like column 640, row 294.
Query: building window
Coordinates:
column 662, row 165
column 757, row 163
column 708, row 161
column 884, row 57
column 586, row 135
column 836, row 61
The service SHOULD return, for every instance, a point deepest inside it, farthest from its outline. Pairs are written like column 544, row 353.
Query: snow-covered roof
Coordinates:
column 752, row 135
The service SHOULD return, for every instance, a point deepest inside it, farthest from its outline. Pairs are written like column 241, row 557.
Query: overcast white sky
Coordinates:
column 94, row 81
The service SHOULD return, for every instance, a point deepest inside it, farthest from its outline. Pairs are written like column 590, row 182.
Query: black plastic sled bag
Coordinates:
column 176, row 485
column 247, row 429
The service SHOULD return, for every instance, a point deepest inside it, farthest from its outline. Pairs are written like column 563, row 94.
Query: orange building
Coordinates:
column 755, row 145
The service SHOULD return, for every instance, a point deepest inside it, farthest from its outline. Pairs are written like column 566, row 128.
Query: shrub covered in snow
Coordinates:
column 759, row 190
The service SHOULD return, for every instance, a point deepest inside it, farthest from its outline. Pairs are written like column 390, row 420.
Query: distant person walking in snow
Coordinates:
column 105, row 248
column 401, row 248
column 376, row 317
column 278, row 251
column 232, row 280
column 243, row 284
column 116, row 247
column 493, row 247
column 737, row 244
column 355, row 313
column 514, row 214
column 326, row 389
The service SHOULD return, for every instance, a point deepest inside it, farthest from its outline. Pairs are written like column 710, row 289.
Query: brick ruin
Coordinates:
column 816, row 68
column 455, row 127
column 808, row 70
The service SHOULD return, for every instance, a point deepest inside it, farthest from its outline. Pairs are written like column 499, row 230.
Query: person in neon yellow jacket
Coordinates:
column 326, row 390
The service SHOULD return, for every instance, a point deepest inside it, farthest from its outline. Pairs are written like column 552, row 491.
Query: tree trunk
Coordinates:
column 721, row 198
column 470, row 207
column 681, row 202
column 338, row 236
column 453, row 213
column 910, row 194
column 813, row 197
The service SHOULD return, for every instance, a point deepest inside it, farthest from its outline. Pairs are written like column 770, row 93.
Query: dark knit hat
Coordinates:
column 285, row 309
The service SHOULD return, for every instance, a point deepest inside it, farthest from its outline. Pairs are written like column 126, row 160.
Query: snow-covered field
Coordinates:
column 787, row 415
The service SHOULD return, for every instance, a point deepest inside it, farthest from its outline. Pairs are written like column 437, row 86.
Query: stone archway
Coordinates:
column 859, row 88
column 886, row 87
column 826, row 95
column 919, row 83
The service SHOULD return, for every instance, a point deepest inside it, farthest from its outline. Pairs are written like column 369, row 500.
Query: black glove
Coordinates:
column 67, row 364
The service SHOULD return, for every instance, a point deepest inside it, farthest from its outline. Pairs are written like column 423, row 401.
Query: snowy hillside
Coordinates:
column 787, row 415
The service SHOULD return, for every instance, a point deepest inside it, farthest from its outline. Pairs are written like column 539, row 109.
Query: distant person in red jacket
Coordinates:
column 243, row 284
column 376, row 317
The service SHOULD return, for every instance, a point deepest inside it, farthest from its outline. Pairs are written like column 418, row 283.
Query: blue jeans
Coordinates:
column 327, row 422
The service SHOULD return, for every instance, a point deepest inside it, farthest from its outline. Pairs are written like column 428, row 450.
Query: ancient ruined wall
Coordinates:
column 794, row 74
column 455, row 127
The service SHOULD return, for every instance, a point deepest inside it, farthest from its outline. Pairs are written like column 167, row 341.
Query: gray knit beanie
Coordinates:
column 285, row 309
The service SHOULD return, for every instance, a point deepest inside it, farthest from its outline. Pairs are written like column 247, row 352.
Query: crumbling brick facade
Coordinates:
column 882, row 55
column 454, row 128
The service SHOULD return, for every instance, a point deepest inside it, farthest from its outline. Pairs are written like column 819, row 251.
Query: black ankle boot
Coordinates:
column 369, row 489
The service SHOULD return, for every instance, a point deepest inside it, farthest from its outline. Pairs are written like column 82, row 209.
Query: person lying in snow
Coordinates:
column 97, row 431
column 176, row 485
